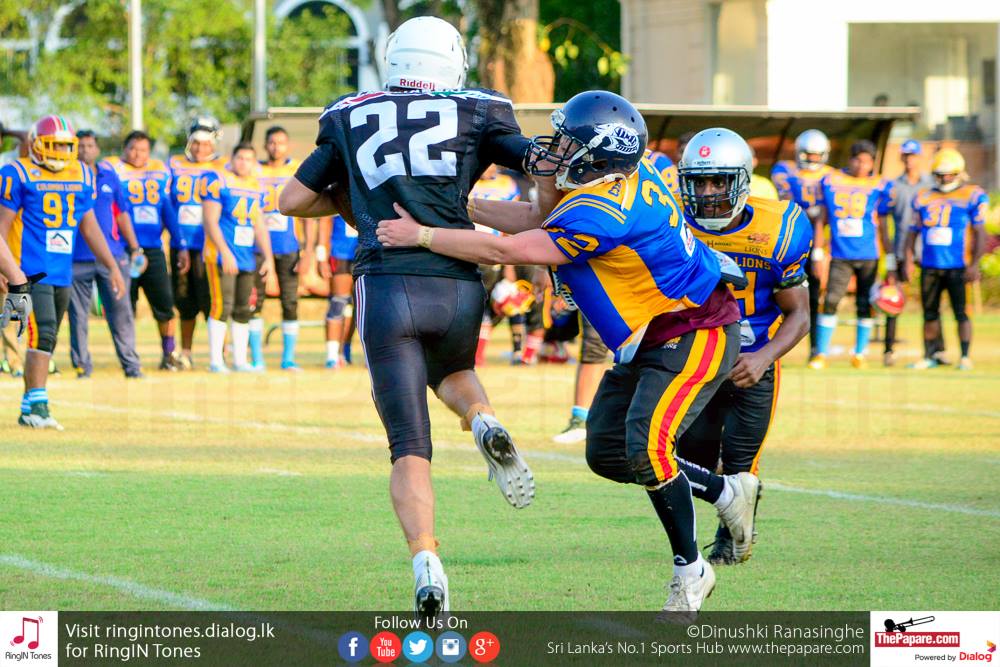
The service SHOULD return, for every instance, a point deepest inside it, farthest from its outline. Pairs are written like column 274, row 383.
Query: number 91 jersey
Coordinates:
column 422, row 149
column 50, row 206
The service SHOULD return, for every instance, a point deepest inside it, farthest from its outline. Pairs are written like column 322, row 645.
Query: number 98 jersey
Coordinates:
column 422, row 149
column 50, row 205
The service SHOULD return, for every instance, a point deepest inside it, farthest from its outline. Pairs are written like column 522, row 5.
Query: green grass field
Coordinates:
column 193, row 491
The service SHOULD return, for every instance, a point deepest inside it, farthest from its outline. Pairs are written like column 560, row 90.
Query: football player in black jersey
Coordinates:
column 424, row 140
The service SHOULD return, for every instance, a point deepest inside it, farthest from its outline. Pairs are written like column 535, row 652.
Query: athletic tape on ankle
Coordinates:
column 424, row 542
column 474, row 410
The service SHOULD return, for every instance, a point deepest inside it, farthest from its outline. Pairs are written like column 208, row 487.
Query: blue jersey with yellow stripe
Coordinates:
column 185, row 197
column 241, row 199
column 631, row 256
column 148, row 190
column 852, row 204
column 281, row 227
column 771, row 245
column 343, row 240
column 799, row 185
column 943, row 219
column 667, row 170
column 50, row 205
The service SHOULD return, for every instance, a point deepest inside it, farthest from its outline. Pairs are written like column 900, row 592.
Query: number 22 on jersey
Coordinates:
column 387, row 130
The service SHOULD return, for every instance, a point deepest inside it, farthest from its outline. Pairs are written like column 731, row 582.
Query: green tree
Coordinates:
column 584, row 42
column 196, row 59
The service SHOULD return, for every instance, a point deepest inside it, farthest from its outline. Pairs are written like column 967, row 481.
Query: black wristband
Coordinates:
column 23, row 288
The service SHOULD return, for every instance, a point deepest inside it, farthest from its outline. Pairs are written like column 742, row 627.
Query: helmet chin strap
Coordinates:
column 948, row 187
column 561, row 183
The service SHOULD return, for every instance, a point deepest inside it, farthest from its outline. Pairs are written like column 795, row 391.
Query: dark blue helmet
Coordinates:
column 599, row 137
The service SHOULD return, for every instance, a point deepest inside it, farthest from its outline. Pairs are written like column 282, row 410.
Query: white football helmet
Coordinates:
column 715, row 152
column 811, row 142
column 425, row 53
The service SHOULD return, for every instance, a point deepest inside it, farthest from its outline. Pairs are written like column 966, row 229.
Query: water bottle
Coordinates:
column 138, row 264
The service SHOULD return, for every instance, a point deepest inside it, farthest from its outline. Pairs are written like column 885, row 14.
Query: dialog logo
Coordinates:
column 418, row 647
column 386, row 647
column 353, row 646
column 450, row 646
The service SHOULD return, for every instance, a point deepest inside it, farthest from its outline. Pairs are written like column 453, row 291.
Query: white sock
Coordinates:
column 694, row 569
column 332, row 350
column 290, row 328
column 216, row 341
column 420, row 561
column 725, row 498
column 256, row 325
column 241, row 340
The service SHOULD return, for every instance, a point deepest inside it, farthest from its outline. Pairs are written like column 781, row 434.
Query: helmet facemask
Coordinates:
column 950, row 186
column 717, row 210
column 571, row 160
column 804, row 161
column 53, row 152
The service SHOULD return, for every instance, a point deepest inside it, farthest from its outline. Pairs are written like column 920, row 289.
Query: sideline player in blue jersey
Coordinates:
column 114, row 215
column 45, row 200
column 655, row 294
column 147, row 182
column 234, row 228
column 274, row 174
column 336, row 264
column 853, row 203
column 799, row 181
column 943, row 216
column 770, row 242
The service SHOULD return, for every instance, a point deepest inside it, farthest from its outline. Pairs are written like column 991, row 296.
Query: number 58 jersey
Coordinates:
column 50, row 205
column 423, row 149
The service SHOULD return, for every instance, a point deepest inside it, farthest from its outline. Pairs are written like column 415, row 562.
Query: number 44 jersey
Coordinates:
column 422, row 149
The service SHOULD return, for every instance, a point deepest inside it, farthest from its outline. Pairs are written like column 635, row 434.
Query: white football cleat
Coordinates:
column 512, row 474
column 39, row 417
column 430, row 593
column 964, row 364
column 575, row 432
column 738, row 515
column 687, row 594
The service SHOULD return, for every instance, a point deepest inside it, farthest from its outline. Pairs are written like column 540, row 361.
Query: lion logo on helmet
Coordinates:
column 621, row 138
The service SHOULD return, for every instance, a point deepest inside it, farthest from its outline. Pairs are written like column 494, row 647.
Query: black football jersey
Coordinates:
column 422, row 149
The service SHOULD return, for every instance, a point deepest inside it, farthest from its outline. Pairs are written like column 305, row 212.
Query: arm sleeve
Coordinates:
column 887, row 198
column 580, row 232
column 792, row 259
column 11, row 188
column 121, row 196
column 503, row 143
column 782, row 182
column 978, row 206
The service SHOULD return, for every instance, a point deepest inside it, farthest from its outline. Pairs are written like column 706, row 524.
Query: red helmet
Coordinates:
column 888, row 298
column 52, row 143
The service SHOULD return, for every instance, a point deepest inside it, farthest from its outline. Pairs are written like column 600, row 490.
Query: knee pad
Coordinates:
column 931, row 316
column 961, row 316
column 46, row 339
column 338, row 307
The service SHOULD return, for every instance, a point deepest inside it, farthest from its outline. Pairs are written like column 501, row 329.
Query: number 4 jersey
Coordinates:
column 50, row 205
column 424, row 150
column 771, row 246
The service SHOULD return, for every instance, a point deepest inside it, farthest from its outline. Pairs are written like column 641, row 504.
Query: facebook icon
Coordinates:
column 353, row 646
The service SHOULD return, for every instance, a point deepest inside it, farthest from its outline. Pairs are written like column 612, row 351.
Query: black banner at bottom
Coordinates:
column 504, row 639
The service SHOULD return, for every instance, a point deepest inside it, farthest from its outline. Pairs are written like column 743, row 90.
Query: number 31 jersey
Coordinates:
column 422, row 149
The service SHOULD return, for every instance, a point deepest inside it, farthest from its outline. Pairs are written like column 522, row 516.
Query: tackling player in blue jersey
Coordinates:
column 853, row 202
column 45, row 200
column 770, row 241
column 943, row 216
column 655, row 294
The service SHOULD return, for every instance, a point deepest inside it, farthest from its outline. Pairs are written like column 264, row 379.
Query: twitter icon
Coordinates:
column 418, row 646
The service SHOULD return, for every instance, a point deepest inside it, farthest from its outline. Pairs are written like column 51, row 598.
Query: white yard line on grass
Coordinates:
column 551, row 456
column 124, row 585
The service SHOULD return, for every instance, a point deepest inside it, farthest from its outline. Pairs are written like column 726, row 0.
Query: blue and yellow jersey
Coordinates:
column 667, row 170
column 852, row 205
column 343, row 240
column 148, row 190
column 241, row 200
column 281, row 227
column 109, row 202
column 631, row 256
column 50, row 206
column 185, row 198
column 500, row 188
column 771, row 245
column 799, row 185
column 943, row 219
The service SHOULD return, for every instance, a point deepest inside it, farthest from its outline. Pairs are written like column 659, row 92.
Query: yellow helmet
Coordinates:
column 948, row 161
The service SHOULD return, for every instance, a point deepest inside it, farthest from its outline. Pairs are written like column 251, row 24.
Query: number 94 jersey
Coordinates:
column 423, row 149
column 50, row 206
column 771, row 247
